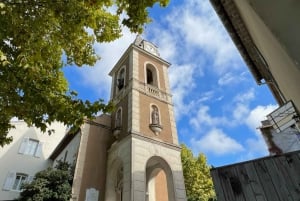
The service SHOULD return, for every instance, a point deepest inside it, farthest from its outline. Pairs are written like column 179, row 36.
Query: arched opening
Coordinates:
column 114, row 181
column 121, row 79
column 118, row 123
column 119, row 184
column 118, row 118
column 159, row 180
column 151, row 75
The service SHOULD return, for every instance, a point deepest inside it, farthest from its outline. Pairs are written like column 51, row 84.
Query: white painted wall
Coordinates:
column 284, row 69
column 287, row 140
column 12, row 161
column 71, row 148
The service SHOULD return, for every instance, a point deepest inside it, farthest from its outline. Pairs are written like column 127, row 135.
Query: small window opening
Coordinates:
column 121, row 79
column 149, row 77
column 20, row 179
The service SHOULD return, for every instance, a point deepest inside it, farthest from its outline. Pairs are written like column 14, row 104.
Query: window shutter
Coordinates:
column 39, row 150
column 9, row 182
column 24, row 144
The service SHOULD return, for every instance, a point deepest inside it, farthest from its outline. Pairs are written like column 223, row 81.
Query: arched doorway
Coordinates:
column 159, row 180
column 114, row 181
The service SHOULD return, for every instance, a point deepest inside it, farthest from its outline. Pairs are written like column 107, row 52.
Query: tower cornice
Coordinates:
column 126, row 53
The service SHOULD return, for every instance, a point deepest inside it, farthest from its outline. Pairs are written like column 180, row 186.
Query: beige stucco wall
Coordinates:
column 280, row 64
column 11, row 160
column 124, row 105
column 90, row 171
column 143, row 59
column 166, row 133
column 161, row 190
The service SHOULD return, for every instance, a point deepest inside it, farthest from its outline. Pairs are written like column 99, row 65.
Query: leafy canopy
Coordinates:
column 197, row 178
column 35, row 36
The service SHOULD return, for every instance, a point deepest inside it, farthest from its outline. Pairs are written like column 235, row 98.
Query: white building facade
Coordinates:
column 25, row 156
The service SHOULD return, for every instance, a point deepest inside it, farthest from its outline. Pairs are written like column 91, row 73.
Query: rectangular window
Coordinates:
column 19, row 180
column 31, row 147
column 14, row 181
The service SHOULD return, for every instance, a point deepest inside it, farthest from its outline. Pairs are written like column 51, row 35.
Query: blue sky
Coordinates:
column 218, row 105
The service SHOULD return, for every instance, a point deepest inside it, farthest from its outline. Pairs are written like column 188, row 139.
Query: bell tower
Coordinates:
column 144, row 162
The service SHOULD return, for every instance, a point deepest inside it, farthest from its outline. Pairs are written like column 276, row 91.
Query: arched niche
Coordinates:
column 159, row 180
column 121, row 81
column 118, row 123
column 151, row 75
column 155, row 119
column 114, row 181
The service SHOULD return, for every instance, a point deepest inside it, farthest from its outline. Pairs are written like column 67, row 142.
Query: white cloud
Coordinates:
column 240, row 108
column 240, row 111
column 245, row 97
column 256, row 146
column 182, row 83
column 200, row 28
column 166, row 42
column 258, row 114
column 204, row 119
column 231, row 78
column 97, row 76
column 217, row 142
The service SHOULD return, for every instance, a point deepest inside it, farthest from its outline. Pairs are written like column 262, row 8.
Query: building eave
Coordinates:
column 235, row 26
column 63, row 143
column 228, row 21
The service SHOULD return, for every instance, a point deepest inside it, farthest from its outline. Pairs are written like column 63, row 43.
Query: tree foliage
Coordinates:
column 52, row 184
column 38, row 38
column 197, row 178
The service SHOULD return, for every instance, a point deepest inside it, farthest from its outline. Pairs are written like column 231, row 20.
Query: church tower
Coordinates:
column 144, row 162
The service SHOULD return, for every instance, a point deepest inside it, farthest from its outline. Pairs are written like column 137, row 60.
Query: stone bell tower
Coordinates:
column 144, row 161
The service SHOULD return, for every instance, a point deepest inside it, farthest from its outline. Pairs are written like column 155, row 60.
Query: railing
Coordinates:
column 147, row 89
column 283, row 117
column 154, row 91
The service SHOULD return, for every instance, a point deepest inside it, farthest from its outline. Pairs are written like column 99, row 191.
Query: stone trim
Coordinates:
column 134, row 65
column 139, row 136
column 135, row 108
column 76, row 187
column 142, row 88
column 168, row 158
column 166, row 78
column 135, row 47
column 151, row 55
column 173, row 124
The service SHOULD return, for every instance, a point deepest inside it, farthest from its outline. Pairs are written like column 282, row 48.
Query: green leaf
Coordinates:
column 197, row 178
column 34, row 36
